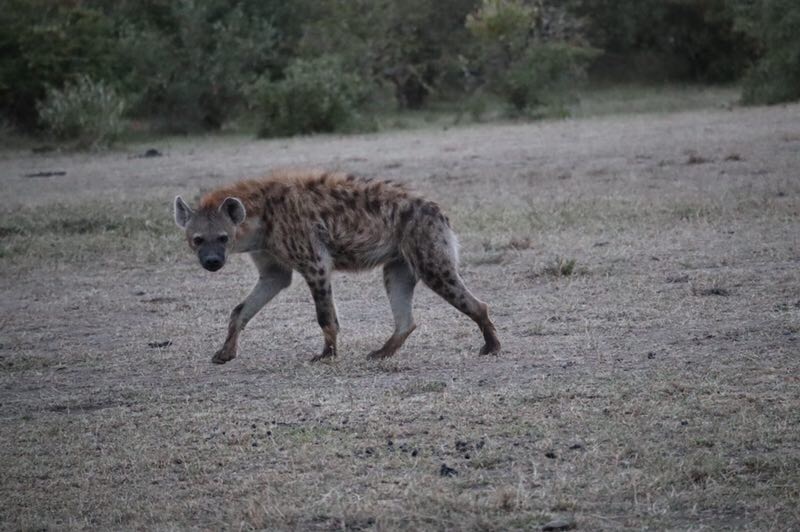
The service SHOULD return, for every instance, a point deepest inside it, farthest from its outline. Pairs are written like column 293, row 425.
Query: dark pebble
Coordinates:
column 445, row 471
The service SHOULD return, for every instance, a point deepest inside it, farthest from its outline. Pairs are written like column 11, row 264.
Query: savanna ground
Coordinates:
column 643, row 271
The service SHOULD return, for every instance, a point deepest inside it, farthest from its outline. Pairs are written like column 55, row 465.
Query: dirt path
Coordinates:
column 651, row 383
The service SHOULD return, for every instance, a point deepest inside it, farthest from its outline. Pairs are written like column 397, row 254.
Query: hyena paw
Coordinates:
column 490, row 348
column 223, row 355
column 328, row 352
column 381, row 353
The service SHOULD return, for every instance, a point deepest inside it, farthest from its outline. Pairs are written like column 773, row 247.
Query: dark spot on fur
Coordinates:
column 350, row 177
column 321, row 271
column 430, row 209
column 316, row 188
column 405, row 216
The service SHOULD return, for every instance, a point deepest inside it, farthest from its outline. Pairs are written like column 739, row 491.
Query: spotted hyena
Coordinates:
column 317, row 222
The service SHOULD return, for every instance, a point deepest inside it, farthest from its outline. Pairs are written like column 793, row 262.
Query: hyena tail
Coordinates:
column 431, row 249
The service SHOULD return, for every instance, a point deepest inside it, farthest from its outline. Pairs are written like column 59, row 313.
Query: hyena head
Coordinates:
column 210, row 231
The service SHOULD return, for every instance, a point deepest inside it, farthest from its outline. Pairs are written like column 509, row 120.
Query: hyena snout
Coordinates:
column 211, row 259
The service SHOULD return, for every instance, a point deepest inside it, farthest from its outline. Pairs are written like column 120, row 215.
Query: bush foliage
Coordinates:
column 526, row 56
column 314, row 96
column 85, row 111
column 46, row 44
column 775, row 76
column 693, row 40
column 545, row 75
column 200, row 64
column 195, row 65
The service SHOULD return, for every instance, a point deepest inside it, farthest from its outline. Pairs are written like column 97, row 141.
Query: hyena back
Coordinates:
column 317, row 222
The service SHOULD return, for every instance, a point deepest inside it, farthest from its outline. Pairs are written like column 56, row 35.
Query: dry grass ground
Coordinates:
column 643, row 271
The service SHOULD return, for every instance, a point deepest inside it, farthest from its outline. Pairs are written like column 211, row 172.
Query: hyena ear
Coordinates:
column 234, row 209
column 182, row 212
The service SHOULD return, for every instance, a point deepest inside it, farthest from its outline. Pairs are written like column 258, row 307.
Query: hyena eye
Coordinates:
column 197, row 240
column 223, row 239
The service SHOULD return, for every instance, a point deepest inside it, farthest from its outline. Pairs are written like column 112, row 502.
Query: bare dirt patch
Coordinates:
column 646, row 286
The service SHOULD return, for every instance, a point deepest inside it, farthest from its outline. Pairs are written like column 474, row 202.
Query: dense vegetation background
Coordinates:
column 86, row 70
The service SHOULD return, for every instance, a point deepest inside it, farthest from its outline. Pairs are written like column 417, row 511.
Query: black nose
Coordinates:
column 212, row 265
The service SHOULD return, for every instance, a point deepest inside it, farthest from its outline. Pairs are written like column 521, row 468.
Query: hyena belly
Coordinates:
column 364, row 249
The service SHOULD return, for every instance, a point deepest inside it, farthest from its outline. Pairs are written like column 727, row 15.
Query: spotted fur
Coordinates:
column 315, row 222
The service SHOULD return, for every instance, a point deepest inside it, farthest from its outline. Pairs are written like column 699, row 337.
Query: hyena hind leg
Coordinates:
column 399, row 281
column 452, row 289
column 442, row 277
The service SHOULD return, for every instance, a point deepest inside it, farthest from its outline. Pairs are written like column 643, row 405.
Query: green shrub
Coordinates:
column 314, row 96
column 546, row 74
column 86, row 111
column 774, row 24
column 504, row 19
column 193, row 65
column 657, row 40
column 529, row 56
column 412, row 46
column 44, row 44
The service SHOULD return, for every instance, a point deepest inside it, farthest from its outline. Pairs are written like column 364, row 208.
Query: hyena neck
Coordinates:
column 248, row 236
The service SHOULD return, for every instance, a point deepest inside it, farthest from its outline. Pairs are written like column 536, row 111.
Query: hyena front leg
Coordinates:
column 272, row 279
column 399, row 281
column 318, row 277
